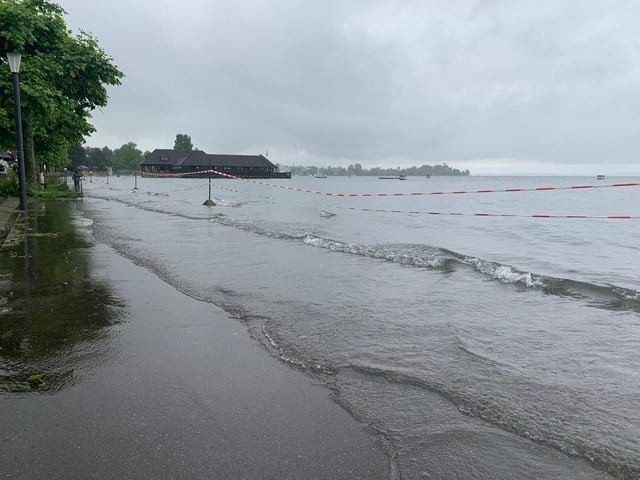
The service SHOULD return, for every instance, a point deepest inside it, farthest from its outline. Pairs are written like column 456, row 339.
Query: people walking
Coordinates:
column 77, row 178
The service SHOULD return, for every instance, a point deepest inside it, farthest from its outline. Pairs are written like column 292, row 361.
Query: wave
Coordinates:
column 609, row 297
column 291, row 356
column 413, row 256
column 603, row 457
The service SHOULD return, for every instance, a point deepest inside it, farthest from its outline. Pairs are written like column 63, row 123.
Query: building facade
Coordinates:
column 166, row 161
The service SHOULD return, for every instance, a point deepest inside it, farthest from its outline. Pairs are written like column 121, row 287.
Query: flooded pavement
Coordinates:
column 55, row 316
column 108, row 372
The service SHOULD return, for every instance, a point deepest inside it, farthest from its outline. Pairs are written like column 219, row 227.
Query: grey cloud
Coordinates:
column 376, row 81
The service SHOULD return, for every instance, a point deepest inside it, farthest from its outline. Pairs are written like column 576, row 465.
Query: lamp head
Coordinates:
column 14, row 61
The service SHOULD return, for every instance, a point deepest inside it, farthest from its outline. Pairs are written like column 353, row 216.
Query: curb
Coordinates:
column 8, row 214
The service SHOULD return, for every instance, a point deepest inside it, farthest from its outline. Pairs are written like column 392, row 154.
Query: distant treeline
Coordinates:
column 128, row 157
column 357, row 169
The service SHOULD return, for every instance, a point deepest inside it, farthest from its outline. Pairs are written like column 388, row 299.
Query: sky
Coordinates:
column 499, row 87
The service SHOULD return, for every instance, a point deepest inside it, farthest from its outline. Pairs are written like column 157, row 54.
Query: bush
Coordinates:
column 9, row 186
column 55, row 189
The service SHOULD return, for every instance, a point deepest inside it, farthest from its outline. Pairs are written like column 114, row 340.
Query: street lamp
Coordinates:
column 14, row 65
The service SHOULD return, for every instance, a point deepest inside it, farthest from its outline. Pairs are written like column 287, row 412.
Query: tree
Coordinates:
column 183, row 143
column 63, row 78
column 77, row 154
column 127, row 158
column 99, row 159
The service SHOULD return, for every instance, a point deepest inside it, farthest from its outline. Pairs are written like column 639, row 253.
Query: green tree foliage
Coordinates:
column 354, row 169
column 183, row 143
column 127, row 158
column 77, row 155
column 63, row 77
column 99, row 159
column 357, row 169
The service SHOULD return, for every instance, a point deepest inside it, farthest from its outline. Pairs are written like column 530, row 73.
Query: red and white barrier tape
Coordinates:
column 410, row 212
column 227, row 189
column 513, row 215
column 402, row 194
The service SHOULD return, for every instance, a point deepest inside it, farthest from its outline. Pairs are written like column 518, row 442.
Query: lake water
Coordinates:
column 476, row 339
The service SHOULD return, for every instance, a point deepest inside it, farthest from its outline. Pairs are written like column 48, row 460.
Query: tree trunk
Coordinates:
column 31, row 168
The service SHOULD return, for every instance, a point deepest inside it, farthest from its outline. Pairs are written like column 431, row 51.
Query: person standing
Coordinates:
column 77, row 177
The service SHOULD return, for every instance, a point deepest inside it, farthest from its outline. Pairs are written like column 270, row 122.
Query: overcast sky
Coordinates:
column 493, row 86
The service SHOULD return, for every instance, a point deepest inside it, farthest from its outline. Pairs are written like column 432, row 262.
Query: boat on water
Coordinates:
column 280, row 174
column 600, row 177
column 399, row 177
column 321, row 176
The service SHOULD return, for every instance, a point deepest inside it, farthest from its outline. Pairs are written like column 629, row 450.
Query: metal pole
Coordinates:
column 135, row 184
column 209, row 179
column 18, row 115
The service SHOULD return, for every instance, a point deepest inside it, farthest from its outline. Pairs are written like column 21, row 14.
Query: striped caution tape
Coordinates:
column 513, row 215
column 401, row 194
column 458, row 192
column 463, row 192
column 226, row 189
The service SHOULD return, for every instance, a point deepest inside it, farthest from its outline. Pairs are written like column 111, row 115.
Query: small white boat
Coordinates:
column 600, row 177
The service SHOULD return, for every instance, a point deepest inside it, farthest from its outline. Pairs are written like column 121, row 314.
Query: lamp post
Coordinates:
column 14, row 65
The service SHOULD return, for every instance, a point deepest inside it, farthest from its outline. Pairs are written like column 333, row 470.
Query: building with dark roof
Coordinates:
column 166, row 161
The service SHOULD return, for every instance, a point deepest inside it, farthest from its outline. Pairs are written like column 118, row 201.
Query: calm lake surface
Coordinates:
column 495, row 346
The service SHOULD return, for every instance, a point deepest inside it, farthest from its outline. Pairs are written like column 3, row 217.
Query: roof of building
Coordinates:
column 202, row 159
column 163, row 155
